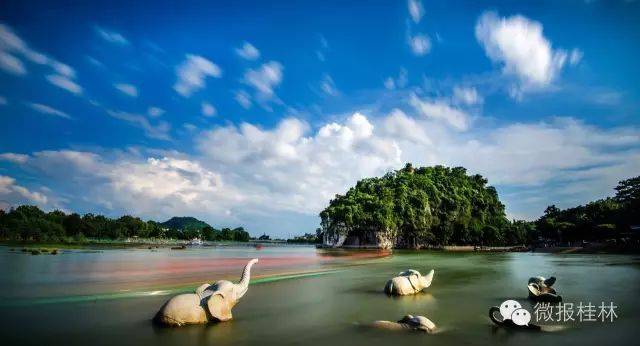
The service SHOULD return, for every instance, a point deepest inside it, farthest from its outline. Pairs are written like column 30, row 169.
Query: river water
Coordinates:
column 301, row 295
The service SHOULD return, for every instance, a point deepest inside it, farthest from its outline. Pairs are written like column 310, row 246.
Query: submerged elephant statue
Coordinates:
column 408, row 322
column 408, row 282
column 208, row 303
column 540, row 289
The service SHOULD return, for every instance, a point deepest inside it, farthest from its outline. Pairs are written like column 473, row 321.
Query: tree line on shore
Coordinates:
column 444, row 206
column 30, row 223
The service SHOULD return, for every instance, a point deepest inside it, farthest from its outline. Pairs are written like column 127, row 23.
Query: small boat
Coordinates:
column 196, row 242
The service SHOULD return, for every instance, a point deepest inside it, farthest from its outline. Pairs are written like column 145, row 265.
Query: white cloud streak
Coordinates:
column 192, row 73
column 44, row 109
column 248, row 51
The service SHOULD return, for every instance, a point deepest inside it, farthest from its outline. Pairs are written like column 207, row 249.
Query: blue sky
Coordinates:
column 256, row 113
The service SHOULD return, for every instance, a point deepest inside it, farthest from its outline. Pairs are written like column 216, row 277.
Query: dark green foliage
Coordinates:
column 185, row 222
column 602, row 219
column 428, row 205
column 32, row 224
column 307, row 238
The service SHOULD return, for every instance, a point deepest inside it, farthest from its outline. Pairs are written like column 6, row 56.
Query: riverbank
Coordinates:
column 114, row 244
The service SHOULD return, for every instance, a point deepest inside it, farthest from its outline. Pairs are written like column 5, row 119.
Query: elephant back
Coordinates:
column 180, row 310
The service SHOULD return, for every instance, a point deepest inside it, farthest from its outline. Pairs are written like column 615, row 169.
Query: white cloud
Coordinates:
column 243, row 98
column 399, row 125
column 264, row 79
column 11, row 64
column 248, row 51
column 17, row 194
column 157, row 186
column 518, row 44
column 208, row 110
column 441, row 110
column 127, row 89
column 155, row 112
column 576, row 56
column 328, row 86
column 400, row 82
column 192, row 73
column 189, row 127
column 420, row 44
column 111, row 36
column 289, row 168
column 13, row 157
column 158, row 131
column 38, row 107
column 65, row 83
column 415, row 10
column 465, row 95
column 12, row 46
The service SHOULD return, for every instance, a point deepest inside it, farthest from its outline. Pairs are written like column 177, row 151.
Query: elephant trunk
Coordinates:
column 243, row 285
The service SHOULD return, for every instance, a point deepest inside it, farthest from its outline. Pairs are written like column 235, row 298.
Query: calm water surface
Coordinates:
column 301, row 295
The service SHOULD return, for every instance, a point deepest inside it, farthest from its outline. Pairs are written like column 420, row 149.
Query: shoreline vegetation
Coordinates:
column 431, row 208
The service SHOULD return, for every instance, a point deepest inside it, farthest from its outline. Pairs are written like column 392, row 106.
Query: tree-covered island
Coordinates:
column 436, row 206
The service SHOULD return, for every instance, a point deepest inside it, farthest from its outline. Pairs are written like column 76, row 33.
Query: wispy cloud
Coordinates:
column 208, row 110
column 158, row 131
column 264, row 79
column 155, row 112
column 243, row 98
column 12, row 46
column 248, row 51
column 420, row 44
column 466, row 95
column 399, row 82
column 13, row 157
column 328, row 86
column 42, row 108
column 415, row 10
column 11, row 64
column 65, row 83
column 441, row 110
column 192, row 73
column 111, row 36
column 127, row 89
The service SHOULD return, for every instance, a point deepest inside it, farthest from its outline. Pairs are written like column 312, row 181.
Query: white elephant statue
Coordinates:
column 208, row 303
column 408, row 282
column 408, row 322
column 540, row 289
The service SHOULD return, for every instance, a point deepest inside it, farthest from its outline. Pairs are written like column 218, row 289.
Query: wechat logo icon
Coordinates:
column 512, row 310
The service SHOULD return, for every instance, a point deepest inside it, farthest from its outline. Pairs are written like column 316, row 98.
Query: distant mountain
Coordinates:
column 184, row 222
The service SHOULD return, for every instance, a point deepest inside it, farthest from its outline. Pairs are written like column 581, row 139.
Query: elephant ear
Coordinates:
column 200, row 290
column 220, row 306
column 550, row 281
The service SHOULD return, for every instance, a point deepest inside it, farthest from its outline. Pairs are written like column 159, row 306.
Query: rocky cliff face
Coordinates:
column 368, row 239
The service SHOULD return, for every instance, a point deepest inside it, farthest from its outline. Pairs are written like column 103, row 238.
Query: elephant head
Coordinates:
column 408, row 322
column 408, row 282
column 540, row 289
column 208, row 303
